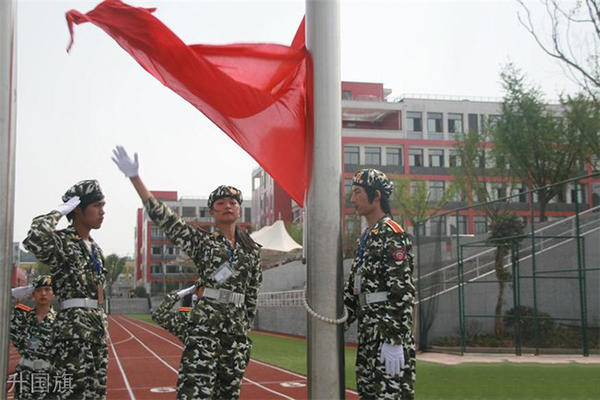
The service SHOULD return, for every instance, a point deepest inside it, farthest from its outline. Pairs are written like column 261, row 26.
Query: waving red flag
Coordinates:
column 256, row 93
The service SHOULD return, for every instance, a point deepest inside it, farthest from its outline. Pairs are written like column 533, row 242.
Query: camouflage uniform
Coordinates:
column 385, row 265
column 79, row 347
column 174, row 322
column 32, row 340
column 217, row 347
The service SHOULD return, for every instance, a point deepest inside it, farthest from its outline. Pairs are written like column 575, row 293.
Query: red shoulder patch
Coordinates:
column 395, row 226
column 184, row 309
column 23, row 307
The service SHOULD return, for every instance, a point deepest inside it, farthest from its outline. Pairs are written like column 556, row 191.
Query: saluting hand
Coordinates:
column 128, row 166
column 68, row 206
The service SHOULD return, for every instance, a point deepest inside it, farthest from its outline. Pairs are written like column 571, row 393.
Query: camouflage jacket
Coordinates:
column 387, row 266
column 74, row 275
column 176, row 322
column 209, row 251
column 32, row 340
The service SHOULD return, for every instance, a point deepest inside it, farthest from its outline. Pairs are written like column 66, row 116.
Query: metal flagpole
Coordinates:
column 8, row 20
column 324, row 253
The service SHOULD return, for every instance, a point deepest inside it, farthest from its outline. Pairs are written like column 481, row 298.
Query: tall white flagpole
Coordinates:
column 8, row 20
column 324, row 253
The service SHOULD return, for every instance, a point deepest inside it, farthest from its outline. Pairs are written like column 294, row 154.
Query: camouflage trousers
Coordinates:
column 373, row 382
column 28, row 385
column 212, row 367
column 81, row 367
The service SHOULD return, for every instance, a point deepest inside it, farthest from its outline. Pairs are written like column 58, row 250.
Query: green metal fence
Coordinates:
column 483, row 284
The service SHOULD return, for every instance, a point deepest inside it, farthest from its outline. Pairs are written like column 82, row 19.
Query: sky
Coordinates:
column 72, row 109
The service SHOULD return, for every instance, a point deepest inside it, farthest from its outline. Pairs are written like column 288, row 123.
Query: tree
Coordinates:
column 534, row 139
column 505, row 230
column 114, row 267
column 479, row 168
column 413, row 201
column 41, row 269
column 583, row 117
column 574, row 35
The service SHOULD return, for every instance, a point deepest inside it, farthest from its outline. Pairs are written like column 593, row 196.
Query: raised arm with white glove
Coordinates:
column 22, row 292
column 68, row 206
column 127, row 166
column 393, row 357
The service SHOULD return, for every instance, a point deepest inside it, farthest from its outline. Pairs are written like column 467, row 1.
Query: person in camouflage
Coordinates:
column 380, row 295
column 30, row 332
column 217, row 346
column 79, row 355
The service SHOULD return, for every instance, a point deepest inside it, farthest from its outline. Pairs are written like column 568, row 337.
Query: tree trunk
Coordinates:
column 500, row 253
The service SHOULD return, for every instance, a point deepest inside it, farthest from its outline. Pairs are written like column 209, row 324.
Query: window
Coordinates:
column 393, row 156
column 480, row 225
column 454, row 159
column 156, row 231
column 455, row 123
column 346, row 94
column 351, row 155
column 156, row 250
column 436, row 190
column 493, row 121
column 188, row 212
column 473, row 123
column 498, row 191
column 582, row 198
column 415, row 157
column 203, row 212
column 155, row 268
column 372, row 155
column 352, row 224
column 459, row 226
column 436, row 158
column 172, row 269
column 171, row 250
column 438, row 226
column 414, row 121
column 348, row 191
column 434, row 123
column 518, row 191
column 414, row 187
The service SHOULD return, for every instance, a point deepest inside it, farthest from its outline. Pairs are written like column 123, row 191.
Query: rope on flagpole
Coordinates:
column 320, row 317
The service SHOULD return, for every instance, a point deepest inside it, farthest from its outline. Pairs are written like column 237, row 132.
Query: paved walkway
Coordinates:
column 453, row 359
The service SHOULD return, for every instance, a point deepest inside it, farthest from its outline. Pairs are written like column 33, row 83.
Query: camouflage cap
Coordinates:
column 375, row 179
column 42, row 281
column 89, row 192
column 224, row 191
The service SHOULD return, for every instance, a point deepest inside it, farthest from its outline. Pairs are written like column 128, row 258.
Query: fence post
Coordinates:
column 581, row 268
column 534, row 282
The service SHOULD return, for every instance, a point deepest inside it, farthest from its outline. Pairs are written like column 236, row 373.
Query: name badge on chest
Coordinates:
column 222, row 274
column 34, row 343
column 357, row 283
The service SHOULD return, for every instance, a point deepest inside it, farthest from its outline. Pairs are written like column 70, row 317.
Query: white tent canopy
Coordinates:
column 275, row 237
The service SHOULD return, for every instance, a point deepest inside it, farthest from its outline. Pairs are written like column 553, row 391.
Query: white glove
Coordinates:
column 393, row 356
column 22, row 292
column 127, row 166
column 187, row 291
column 68, row 206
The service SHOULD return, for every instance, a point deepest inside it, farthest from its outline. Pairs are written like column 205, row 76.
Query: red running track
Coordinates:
column 144, row 360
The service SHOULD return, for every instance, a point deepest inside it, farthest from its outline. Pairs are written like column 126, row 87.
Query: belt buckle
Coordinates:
column 38, row 364
column 224, row 296
column 362, row 299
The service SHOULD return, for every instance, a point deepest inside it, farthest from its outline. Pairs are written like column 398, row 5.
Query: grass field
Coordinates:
column 465, row 381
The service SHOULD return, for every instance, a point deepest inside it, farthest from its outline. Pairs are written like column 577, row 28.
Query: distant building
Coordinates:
column 412, row 136
column 159, row 265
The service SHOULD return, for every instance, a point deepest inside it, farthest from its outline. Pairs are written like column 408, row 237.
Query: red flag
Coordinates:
column 256, row 93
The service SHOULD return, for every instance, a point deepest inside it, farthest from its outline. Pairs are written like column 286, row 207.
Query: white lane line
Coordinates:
column 129, row 390
column 123, row 341
column 153, row 333
column 269, row 390
column 181, row 347
column 146, row 347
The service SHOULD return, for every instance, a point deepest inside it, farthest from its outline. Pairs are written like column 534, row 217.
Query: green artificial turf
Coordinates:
column 465, row 381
